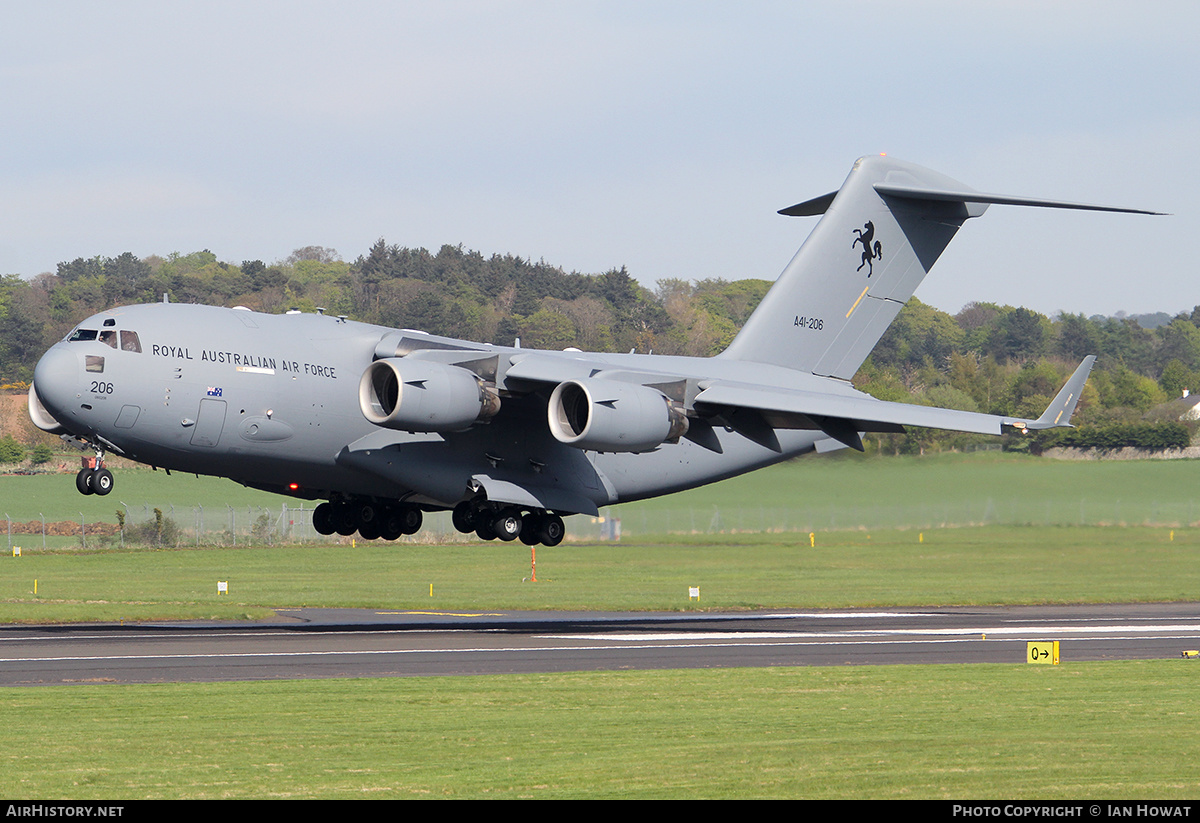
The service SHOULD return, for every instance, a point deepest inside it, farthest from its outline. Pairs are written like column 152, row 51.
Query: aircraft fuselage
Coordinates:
column 273, row 401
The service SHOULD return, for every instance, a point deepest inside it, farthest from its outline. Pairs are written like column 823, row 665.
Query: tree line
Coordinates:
column 991, row 358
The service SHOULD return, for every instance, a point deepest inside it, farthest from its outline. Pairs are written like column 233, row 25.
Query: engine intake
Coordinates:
column 420, row 396
column 610, row 416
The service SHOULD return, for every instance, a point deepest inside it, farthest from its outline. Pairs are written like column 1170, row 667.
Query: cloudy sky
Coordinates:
column 662, row 136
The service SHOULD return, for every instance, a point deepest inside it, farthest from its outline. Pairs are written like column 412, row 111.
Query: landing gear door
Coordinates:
column 209, row 423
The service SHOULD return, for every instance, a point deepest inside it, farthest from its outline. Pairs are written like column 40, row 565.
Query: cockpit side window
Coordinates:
column 80, row 335
column 130, row 341
column 109, row 338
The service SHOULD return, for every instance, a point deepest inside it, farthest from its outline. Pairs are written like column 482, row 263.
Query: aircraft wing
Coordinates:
column 755, row 410
column 843, row 417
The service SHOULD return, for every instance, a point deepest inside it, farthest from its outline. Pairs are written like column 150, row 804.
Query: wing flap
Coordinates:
column 842, row 416
column 801, row 410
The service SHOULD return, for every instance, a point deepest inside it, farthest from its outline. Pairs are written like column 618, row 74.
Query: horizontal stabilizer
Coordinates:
column 968, row 196
column 810, row 208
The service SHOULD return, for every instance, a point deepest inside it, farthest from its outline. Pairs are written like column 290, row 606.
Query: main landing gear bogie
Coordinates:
column 371, row 520
column 491, row 522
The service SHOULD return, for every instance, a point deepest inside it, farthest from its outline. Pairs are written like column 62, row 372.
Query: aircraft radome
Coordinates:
column 386, row 424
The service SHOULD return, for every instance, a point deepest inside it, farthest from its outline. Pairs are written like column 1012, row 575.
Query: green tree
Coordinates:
column 41, row 454
column 10, row 450
column 1019, row 334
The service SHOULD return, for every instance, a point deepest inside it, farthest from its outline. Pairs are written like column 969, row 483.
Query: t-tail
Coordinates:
column 881, row 233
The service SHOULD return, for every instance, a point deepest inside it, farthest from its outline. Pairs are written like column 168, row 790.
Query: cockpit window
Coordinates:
column 81, row 335
column 94, row 363
column 130, row 341
column 109, row 338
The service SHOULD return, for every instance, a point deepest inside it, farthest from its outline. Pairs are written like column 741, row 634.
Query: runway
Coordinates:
column 325, row 643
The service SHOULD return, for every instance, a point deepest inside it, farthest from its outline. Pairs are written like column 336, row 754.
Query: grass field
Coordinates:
column 828, row 493
column 980, row 565
column 843, row 491
column 1079, row 730
column 1084, row 730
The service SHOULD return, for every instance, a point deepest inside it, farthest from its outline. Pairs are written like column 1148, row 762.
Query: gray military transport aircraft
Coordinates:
column 384, row 424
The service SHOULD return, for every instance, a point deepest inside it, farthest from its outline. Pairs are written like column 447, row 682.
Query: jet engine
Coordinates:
column 610, row 416
column 420, row 396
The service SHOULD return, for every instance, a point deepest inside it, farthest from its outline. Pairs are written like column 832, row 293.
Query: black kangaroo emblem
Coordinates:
column 865, row 235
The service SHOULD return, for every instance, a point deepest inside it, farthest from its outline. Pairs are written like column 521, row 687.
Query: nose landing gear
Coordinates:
column 93, row 478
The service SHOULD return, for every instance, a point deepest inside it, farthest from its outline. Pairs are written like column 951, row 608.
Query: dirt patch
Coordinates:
column 64, row 528
column 14, row 421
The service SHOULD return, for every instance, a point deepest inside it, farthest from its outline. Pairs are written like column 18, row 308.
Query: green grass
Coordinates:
column 1082, row 730
column 849, row 491
column 1112, row 730
column 53, row 495
column 812, row 493
column 981, row 565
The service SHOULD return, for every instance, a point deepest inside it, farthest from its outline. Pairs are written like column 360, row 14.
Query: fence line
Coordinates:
column 198, row 526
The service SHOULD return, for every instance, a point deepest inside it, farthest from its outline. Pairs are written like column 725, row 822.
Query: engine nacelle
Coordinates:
column 420, row 396
column 611, row 416
column 40, row 417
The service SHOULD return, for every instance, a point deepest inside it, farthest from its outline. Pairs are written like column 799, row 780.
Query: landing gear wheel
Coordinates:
column 366, row 513
column 411, row 519
column 101, row 481
column 344, row 521
column 507, row 525
column 553, row 530
column 484, row 531
column 83, row 481
column 393, row 526
column 465, row 517
column 531, row 525
column 399, row 520
column 322, row 519
column 370, row 530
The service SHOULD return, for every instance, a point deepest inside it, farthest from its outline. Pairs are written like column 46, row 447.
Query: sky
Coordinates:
column 659, row 136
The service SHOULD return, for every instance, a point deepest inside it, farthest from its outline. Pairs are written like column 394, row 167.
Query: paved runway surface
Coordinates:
column 316, row 643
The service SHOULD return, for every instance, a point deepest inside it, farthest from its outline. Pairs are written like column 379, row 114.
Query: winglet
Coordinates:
column 1058, row 413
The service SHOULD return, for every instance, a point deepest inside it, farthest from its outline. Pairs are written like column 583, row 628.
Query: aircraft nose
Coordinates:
column 55, row 386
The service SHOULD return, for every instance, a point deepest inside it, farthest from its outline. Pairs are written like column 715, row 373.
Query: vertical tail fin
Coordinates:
column 881, row 233
column 854, row 272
